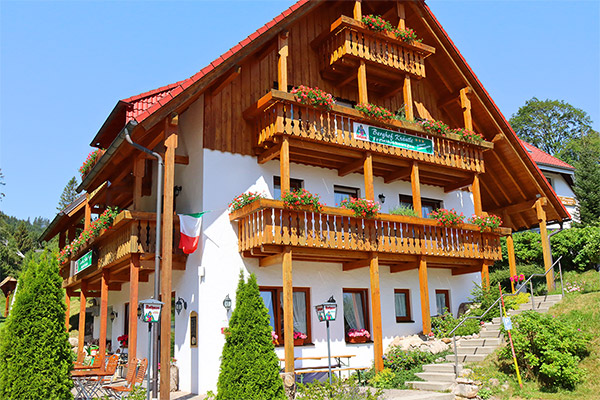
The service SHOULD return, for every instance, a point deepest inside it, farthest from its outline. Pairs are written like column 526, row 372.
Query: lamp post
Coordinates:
column 151, row 309
column 327, row 312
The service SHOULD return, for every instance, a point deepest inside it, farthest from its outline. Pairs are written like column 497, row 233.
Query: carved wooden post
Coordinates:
column 512, row 265
column 282, row 76
column 424, row 289
column 103, row 315
column 541, row 214
column 134, row 277
column 368, row 170
column 288, row 309
column 416, row 189
column 284, row 165
column 465, row 103
column 408, row 102
column 82, row 304
column 376, row 309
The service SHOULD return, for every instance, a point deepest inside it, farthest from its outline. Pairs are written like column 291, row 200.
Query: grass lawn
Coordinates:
column 584, row 310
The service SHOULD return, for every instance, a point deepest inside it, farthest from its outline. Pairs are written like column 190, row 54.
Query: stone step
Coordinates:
column 399, row 394
column 466, row 358
column 476, row 350
column 479, row 342
column 436, row 376
column 550, row 297
column 490, row 334
column 541, row 304
column 448, row 368
column 439, row 386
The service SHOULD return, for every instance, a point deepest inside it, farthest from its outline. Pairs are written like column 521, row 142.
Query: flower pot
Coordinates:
column 298, row 342
column 357, row 339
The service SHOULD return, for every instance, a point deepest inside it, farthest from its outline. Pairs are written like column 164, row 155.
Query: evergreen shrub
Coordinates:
column 249, row 365
column 35, row 355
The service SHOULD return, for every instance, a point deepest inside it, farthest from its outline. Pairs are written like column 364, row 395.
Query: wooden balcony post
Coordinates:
column 134, row 277
column 288, row 309
column 284, row 165
column 376, row 310
column 512, row 265
column 485, row 276
column 358, row 10
column 424, row 289
column 138, row 176
column 82, row 304
column 87, row 220
column 103, row 314
column 465, row 103
column 401, row 16
column 541, row 214
column 408, row 102
column 476, row 190
column 282, row 76
column 363, row 97
column 7, row 305
column 416, row 189
column 62, row 239
column 368, row 169
column 171, row 132
column 68, row 311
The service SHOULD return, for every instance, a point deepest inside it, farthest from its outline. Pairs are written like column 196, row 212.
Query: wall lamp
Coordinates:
column 381, row 198
column 227, row 303
column 113, row 315
column 180, row 304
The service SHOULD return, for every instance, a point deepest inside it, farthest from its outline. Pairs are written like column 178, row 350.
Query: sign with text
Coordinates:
column 374, row 134
column 326, row 312
column 507, row 323
column 151, row 312
column 84, row 262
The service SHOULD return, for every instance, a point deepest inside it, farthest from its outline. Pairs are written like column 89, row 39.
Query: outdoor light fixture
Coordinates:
column 177, row 190
column 227, row 303
column 113, row 315
column 381, row 198
column 151, row 309
column 327, row 312
column 180, row 304
column 139, row 311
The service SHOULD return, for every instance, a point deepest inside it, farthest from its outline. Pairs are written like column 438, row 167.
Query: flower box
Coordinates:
column 357, row 339
column 298, row 342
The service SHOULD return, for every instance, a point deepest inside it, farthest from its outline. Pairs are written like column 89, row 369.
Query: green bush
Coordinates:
column 548, row 349
column 35, row 355
column 404, row 210
column 397, row 359
column 443, row 325
column 486, row 297
column 338, row 390
column 249, row 366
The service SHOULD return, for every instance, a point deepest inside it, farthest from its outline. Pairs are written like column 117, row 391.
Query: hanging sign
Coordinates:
column 84, row 262
column 507, row 323
column 151, row 312
column 326, row 312
column 377, row 135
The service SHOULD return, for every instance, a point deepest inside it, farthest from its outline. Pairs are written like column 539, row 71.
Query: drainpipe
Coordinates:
column 159, row 196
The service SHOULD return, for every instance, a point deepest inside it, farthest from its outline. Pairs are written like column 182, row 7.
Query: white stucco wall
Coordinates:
column 562, row 188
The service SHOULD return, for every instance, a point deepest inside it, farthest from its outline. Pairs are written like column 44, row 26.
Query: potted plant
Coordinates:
column 374, row 111
column 435, row 127
column 468, row 136
column 244, row 199
column 358, row 335
column 486, row 222
column 90, row 161
column 274, row 337
column 299, row 338
column 302, row 199
column 362, row 208
column 313, row 97
column 518, row 280
column 447, row 218
column 123, row 340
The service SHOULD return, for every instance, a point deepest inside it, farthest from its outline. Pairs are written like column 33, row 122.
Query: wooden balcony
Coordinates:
column 348, row 41
column 132, row 232
column 335, row 235
column 325, row 138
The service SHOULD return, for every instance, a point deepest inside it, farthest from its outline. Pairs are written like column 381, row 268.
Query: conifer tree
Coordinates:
column 587, row 187
column 249, row 365
column 23, row 239
column 68, row 195
column 35, row 356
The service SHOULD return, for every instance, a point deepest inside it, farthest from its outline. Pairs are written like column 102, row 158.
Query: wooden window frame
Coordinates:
column 349, row 190
column 446, row 293
column 407, row 199
column 294, row 184
column 366, row 314
column 408, row 317
column 278, row 310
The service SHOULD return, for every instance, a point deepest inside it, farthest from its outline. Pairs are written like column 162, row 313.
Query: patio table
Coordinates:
column 86, row 388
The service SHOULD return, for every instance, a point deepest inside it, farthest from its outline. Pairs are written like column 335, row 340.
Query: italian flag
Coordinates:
column 190, row 226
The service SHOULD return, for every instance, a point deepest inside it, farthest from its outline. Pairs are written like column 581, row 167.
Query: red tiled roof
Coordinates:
column 147, row 103
column 540, row 157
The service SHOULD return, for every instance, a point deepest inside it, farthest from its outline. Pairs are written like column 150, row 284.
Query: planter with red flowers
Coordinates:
column 378, row 24
column 244, row 199
column 299, row 338
column 447, row 218
column 362, row 208
column 90, row 161
column 313, row 97
column 486, row 222
column 302, row 199
column 374, row 111
column 358, row 335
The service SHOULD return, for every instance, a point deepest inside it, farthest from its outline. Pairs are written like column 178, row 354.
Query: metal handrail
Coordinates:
column 452, row 332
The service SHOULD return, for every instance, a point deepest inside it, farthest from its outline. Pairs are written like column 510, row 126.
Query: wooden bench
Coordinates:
column 336, row 366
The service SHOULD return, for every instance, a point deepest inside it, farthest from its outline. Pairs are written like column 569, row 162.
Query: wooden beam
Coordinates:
column 138, row 175
column 87, row 219
column 352, row 167
column 468, row 270
column 512, row 263
column 171, row 142
column 284, row 165
column 541, row 215
column 270, row 154
column 67, row 312
column 288, row 309
column 368, row 171
column 507, row 173
column 402, row 267
column 465, row 104
column 82, row 304
column 485, row 275
column 416, row 189
column 400, row 174
column 229, row 77
column 519, row 207
column 424, row 291
column 282, row 54
column 179, row 159
column 458, row 185
column 270, row 260
column 363, row 96
column 476, row 190
column 134, row 274
column 376, row 313
column 350, row 265
column 408, row 101
column 103, row 315
column 357, row 12
column 401, row 16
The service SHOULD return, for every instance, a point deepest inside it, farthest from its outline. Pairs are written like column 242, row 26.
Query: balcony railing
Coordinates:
column 267, row 222
column 278, row 113
column 131, row 232
column 349, row 40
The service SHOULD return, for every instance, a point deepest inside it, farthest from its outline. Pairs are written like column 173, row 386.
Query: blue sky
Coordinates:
column 64, row 65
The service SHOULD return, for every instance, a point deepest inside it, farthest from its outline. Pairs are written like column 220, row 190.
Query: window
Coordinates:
column 126, row 320
column 295, row 184
column 442, row 301
column 427, row 205
column 356, row 310
column 402, row 305
column 193, row 329
column 344, row 192
column 273, row 299
column 550, row 181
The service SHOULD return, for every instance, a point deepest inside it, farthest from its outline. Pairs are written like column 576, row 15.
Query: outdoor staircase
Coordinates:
column 441, row 377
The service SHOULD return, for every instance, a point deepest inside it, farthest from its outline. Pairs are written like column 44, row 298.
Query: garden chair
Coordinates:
column 95, row 363
column 121, row 392
column 108, row 373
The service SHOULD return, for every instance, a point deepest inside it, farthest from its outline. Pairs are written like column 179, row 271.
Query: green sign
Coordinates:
column 84, row 262
column 374, row 134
